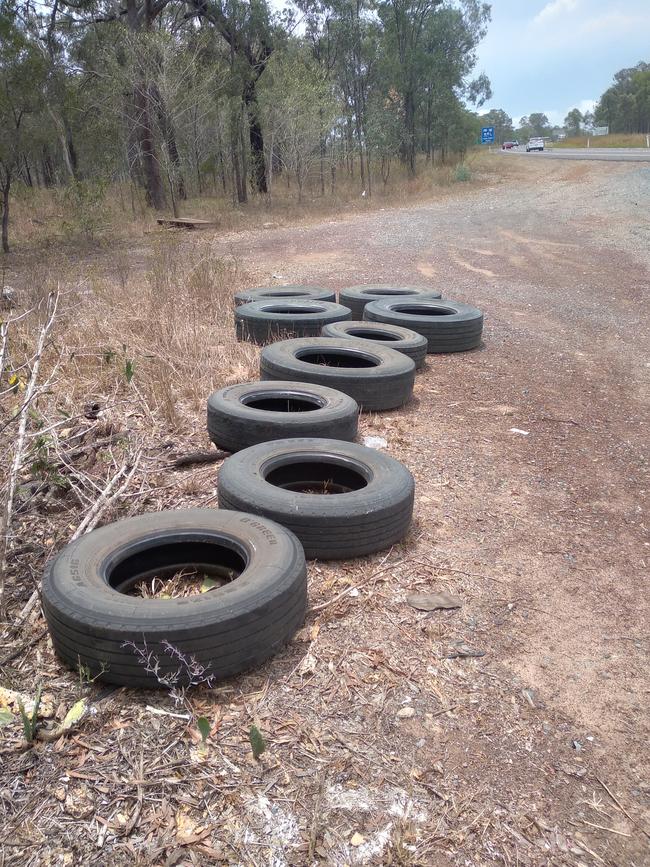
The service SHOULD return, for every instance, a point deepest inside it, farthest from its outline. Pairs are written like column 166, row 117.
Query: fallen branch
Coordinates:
column 199, row 458
column 359, row 584
column 622, row 808
column 51, row 308
column 21, row 647
column 107, row 496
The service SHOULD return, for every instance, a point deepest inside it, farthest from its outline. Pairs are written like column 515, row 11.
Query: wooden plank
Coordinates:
column 185, row 223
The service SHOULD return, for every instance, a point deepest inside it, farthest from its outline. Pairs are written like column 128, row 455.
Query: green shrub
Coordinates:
column 84, row 203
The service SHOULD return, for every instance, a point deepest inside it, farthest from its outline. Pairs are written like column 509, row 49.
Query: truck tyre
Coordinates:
column 255, row 412
column 448, row 325
column 94, row 623
column 284, row 293
column 403, row 340
column 370, row 495
column 376, row 377
column 356, row 297
column 264, row 321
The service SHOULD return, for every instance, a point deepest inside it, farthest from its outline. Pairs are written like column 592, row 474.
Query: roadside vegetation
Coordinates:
column 604, row 141
column 624, row 108
column 171, row 103
column 81, row 218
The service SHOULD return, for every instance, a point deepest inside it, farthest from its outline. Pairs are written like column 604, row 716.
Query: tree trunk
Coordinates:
column 244, row 159
column 63, row 138
column 70, row 148
column 322, row 155
column 6, row 187
column 26, row 173
column 240, row 181
column 429, row 147
column 385, row 170
column 152, row 177
column 46, row 168
column 256, row 139
column 222, row 172
column 408, row 150
column 169, row 137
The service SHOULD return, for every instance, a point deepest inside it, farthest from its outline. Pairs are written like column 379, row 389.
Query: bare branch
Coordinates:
column 5, row 528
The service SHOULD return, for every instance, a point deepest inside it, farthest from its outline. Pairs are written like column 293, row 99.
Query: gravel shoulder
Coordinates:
column 558, row 257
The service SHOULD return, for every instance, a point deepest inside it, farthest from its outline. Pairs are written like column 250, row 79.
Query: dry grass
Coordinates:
column 124, row 377
column 632, row 140
column 54, row 219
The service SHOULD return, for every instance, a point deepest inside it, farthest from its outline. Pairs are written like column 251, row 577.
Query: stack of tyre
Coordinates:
column 297, row 486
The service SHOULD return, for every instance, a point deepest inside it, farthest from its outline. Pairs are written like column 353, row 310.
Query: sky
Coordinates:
column 555, row 55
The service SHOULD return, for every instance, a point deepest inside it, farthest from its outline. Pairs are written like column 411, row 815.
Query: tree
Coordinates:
column 502, row 123
column 247, row 29
column 172, row 96
column 22, row 71
column 539, row 124
column 573, row 122
column 625, row 106
column 297, row 108
column 384, row 130
column 432, row 47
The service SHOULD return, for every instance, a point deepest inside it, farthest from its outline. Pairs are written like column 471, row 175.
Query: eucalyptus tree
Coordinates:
column 502, row 123
column 22, row 76
column 298, row 108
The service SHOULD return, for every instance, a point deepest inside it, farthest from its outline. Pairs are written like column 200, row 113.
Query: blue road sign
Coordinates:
column 487, row 135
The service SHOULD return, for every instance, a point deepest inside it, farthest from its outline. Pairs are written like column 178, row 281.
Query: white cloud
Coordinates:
column 615, row 23
column 554, row 9
column 556, row 116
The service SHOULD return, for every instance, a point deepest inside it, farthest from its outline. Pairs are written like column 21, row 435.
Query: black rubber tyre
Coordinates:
column 264, row 321
column 256, row 412
column 227, row 630
column 448, row 325
column 284, row 293
column 370, row 502
column 403, row 340
column 356, row 297
column 376, row 377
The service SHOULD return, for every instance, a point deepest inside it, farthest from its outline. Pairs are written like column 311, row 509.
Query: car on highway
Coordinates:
column 535, row 144
column 509, row 145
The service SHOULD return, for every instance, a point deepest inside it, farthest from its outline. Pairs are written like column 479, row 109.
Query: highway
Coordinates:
column 624, row 155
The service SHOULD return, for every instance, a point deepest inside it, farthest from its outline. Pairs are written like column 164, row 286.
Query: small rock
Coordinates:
column 8, row 296
column 374, row 442
column 431, row 601
column 460, row 651
column 406, row 712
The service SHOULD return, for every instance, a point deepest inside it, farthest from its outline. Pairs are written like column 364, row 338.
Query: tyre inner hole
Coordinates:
column 316, row 477
column 285, row 294
column 391, row 292
column 283, row 403
column 277, row 308
column 423, row 310
column 176, row 570
column 338, row 359
column 372, row 334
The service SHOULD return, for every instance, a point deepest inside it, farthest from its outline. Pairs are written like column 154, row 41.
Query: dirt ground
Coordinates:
column 531, row 463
